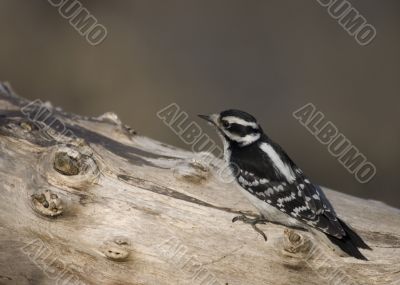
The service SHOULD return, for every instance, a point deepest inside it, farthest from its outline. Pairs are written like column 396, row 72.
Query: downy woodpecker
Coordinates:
column 275, row 185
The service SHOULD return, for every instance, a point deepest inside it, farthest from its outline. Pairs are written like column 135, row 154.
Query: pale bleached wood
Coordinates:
column 148, row 214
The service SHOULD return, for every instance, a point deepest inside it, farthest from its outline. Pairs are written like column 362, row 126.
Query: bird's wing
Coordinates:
column 299, row 199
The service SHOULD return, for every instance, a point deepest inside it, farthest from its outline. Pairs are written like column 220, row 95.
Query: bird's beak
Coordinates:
column 212, row 119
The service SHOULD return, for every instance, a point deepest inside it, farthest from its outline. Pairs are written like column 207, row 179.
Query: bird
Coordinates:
column 275, row 185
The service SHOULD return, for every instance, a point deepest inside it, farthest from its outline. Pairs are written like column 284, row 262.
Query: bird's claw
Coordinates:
column 238, row 218
column 260, row 232
column 253, row 222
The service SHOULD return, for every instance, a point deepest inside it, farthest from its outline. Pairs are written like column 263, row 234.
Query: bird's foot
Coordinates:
column 253, row 222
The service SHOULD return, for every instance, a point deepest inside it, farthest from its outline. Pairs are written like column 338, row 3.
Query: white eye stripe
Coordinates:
column 246, row 140
column 239, row 121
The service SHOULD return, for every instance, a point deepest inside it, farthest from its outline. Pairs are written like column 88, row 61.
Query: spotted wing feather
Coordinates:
column 299, row 199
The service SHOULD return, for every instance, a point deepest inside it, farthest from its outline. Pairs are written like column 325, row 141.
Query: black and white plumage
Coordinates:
column 275, row 185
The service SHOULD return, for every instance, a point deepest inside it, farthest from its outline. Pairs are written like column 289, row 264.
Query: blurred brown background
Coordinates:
column 266, row 57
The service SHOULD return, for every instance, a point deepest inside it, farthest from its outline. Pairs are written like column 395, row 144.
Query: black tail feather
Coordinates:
column 347, row 246
column 351, row 243
column 354, row 237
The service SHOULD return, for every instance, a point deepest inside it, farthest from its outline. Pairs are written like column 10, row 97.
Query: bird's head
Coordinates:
column 235, row 126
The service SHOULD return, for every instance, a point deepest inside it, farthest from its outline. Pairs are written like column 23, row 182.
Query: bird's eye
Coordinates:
column 225, row 124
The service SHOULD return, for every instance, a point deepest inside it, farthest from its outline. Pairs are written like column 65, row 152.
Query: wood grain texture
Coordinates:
column 88, row 201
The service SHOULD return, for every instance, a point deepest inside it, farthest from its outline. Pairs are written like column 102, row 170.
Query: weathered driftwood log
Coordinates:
column 87, row 201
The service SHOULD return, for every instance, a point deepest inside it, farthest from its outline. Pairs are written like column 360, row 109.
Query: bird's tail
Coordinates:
column 350, row 243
